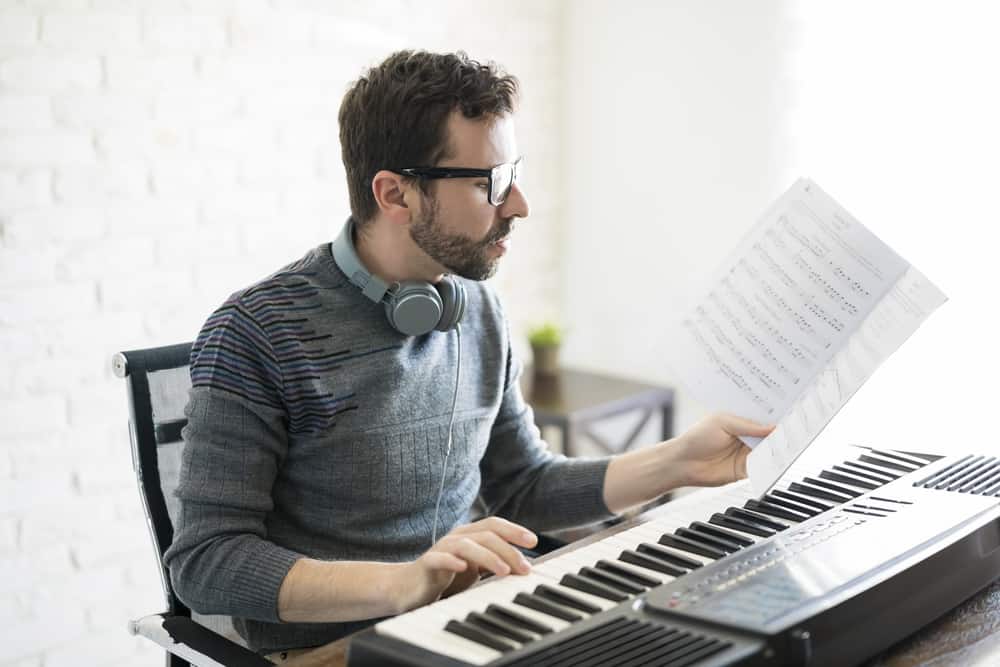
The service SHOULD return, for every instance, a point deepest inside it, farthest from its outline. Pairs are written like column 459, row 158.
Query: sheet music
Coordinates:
column 794, row 322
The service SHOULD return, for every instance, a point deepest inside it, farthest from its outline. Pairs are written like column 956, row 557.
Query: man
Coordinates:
column 331, row 439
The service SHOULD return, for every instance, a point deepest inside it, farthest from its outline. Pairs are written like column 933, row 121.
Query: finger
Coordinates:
column 508, row 530
column 514, row 559
column 476, row 554
column 740, row 463
column 442, row 560
column 740, row 426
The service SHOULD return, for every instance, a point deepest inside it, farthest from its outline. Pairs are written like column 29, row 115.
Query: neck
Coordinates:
column 389, row 252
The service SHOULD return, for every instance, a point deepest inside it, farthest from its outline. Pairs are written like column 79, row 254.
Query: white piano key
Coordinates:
column 423, row 632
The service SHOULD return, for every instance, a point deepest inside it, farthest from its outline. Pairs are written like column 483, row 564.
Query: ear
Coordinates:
column 391, row 192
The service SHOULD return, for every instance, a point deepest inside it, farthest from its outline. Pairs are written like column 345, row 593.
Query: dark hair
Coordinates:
column 396, row 114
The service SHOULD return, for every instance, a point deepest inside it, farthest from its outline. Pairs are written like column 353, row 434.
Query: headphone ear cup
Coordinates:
column 453, row 300
column 414, row 309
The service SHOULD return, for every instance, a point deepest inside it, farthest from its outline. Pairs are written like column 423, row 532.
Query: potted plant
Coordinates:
column 545, row 340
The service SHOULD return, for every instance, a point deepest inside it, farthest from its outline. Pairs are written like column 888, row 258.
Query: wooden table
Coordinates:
column 573, row 401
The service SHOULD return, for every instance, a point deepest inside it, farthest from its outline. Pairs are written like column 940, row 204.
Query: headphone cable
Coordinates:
column 451, row 423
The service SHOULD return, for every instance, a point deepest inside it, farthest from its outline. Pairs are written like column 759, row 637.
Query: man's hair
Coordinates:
column 396, row 115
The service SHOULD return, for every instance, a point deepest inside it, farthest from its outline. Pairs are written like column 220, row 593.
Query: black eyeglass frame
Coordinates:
column 434, row 173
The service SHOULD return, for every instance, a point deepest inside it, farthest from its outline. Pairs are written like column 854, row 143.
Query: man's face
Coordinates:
column 457, row 226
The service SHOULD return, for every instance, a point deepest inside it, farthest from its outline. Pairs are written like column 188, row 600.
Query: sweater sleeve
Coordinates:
column 221, row 561
column 524, row 482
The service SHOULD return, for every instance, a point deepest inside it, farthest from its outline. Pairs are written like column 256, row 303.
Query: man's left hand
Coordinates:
column 711, row 453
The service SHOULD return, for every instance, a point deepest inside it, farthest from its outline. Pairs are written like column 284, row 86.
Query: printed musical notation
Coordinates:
column 797, row 318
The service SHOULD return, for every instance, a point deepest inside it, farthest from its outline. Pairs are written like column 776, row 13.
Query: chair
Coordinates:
column 158, row 381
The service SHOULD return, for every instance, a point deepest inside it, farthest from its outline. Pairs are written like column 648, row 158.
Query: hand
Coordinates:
column 711, row 453
column 455, row 561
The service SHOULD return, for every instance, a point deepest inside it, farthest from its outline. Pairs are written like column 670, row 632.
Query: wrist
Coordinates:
column 402, row 582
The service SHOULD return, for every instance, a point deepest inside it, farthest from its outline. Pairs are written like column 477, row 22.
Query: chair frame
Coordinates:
column 185, row 641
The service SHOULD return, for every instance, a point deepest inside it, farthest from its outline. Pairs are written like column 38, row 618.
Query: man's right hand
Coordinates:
column 456, row 560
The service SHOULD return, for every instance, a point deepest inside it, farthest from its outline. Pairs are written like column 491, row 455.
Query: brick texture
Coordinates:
column 155, row 156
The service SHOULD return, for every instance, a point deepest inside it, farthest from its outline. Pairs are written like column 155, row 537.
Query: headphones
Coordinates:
column 413, row 307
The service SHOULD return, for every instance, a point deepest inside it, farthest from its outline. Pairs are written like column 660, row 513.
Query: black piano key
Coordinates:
column 838, row 488
column 611, row 580
column 801, row 499
column 849, row 479
column 553, row 594
column 538, row 604
column 676, row 559
column 900, row 456
column 691, row 546
column 756, row 517
column 631, row 575
column 873, row 470
column 815, row 492
column 727, row 521
column 886, row 463
column 585, row 585
column 799, row 508
column 722, row 533
column 634, row 558
column 518, row 619
column 708, row 540
column 770, row 509
column 487, row 622
column 861, row 474
column 479, row 636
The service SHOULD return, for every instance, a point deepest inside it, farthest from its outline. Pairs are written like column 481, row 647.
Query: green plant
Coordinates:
column 545, row 335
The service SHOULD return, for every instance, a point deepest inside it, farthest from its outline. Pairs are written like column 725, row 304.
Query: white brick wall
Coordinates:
column 156, row 155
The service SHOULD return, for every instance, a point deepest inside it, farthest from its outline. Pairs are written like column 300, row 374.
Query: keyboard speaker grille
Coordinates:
column 979, row 475
column 626, row 640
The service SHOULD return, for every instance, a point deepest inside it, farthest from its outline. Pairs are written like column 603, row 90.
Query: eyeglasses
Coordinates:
column 501, row 177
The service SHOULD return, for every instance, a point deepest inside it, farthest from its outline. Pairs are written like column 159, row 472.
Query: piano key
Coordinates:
column 691, row 546
column 861, row 474
column 611, row 580
column 857, row 465
column 771, row 509
column 502, row 613
column 500, row 626
column 756, row 517
column 741, row 539
column 844, row 478
column 437, row 639
column 816, row 492
column 560, row 596
column 887, row 463
column 585, row 585
column 542, row 605
column 728, row 521
column 789, row 504
column 640, row 576
column 838, row 488
column 708, row 540
column 801, row 499
column 478, row 635
column 683, row 561
column 642, row 560
column 901, row 456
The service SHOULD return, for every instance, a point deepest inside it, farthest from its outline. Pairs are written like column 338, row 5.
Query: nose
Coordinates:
column 516, row 204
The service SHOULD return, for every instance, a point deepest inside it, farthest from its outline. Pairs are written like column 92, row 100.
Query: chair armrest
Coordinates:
column 195, row 643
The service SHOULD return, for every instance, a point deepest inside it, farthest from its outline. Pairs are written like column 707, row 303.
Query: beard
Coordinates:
column 460, row 255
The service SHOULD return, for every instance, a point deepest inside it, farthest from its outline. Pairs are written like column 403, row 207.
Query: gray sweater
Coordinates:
column 315, row 429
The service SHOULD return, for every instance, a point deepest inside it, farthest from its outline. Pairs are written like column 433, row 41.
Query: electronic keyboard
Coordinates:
column 829, row 567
